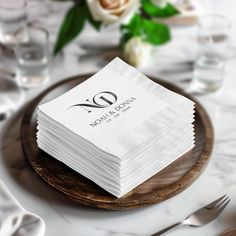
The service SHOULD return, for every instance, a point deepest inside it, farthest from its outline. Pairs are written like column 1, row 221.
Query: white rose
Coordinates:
column 136, row 52
column 110, row 11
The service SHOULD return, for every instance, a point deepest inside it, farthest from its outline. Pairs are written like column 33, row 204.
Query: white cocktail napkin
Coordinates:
column 14, row 220
column 118, row 128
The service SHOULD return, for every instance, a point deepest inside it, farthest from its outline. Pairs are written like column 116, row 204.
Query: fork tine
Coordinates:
column 219, row 204
column 212, row 204
column 221, row 208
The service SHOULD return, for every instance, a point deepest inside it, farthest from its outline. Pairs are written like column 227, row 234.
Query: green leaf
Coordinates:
column 155, row 33
column 155, row 11
column 171, row 10
column 125, row 38
column 149, row 31
column 134, row 25
column 94, row 23
column 133, row 28
column 72, row 25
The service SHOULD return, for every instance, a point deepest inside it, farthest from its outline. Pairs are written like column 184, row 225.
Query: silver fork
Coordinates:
column 202, row 216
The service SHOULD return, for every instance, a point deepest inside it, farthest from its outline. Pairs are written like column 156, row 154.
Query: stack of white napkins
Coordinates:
column 118, row 128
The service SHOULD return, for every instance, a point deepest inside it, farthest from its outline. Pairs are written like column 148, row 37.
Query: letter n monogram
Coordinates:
column 100, row 100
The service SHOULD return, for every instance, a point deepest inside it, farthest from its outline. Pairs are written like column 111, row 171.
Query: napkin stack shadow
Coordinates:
column 118, row 128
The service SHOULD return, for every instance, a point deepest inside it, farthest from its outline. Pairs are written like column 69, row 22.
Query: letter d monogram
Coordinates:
column 100, row 100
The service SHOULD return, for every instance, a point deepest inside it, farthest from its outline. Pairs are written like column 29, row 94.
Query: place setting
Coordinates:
column 128, row 137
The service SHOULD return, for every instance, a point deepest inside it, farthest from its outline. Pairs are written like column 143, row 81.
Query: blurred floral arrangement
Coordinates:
column 138, row 28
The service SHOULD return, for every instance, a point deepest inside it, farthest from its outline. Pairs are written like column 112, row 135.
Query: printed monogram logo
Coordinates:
column 100, row 100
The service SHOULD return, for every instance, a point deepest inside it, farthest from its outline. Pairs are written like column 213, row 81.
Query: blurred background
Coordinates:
column 87, row 45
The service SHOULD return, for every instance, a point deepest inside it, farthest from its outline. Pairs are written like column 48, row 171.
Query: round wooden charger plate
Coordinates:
column 165, row 184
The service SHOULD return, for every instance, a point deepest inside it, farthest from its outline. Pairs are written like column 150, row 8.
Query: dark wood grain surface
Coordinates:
column 165, row 184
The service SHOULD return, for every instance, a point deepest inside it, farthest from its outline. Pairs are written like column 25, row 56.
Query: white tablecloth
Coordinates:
column 64, row 218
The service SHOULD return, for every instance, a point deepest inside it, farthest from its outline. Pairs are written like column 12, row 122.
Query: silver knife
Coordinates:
column 231, row 232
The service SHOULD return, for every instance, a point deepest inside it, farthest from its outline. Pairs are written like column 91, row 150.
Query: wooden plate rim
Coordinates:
column 177, row 187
